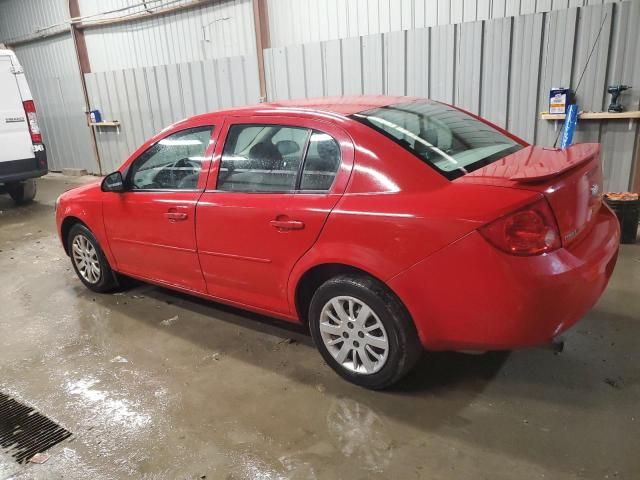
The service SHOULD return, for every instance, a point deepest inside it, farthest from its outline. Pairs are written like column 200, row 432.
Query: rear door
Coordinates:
column 263, row 208
column 14, row 131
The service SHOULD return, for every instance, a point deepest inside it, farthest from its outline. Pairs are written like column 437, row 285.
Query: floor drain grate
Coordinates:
column 24, row 432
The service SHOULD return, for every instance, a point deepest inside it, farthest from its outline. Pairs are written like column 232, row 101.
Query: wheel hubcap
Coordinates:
column 85, row 258
column 345, row 317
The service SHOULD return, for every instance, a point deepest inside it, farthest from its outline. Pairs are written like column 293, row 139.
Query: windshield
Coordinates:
column 451, row 141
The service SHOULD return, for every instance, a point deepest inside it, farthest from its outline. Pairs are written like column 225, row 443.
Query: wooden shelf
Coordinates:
column 115, row 123
column 593, row 115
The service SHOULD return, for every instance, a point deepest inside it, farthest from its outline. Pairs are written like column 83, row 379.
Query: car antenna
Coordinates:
column 595, row 42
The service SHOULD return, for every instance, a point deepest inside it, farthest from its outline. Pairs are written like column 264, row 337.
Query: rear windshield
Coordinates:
column 447, row 139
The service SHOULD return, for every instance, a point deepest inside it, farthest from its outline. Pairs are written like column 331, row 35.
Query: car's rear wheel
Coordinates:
column 89, row 261
column 23, row 192
column 363, row 331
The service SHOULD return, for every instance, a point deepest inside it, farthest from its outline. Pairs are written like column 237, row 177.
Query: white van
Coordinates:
column 22, row 154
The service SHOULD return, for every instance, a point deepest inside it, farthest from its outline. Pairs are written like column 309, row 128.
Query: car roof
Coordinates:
column 342, row 106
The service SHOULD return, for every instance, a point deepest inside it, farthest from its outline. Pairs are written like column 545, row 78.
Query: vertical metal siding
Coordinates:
column 524, row 75
column 501, row 68
column 22, row 18
column 302, row 21
column 495, row 71
column 51, row 70
column 468, row 65
column 147, row 99
column 442, row 63
column 219, row 29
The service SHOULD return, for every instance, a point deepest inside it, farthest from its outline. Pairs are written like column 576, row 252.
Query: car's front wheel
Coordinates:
column 363, row 331
column 89, row 261
column 23, row 192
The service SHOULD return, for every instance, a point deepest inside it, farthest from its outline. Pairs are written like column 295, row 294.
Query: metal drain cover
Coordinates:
column 24, row 432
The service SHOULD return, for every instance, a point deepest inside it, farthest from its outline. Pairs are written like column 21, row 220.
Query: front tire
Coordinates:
column 89, row 261
column 23, row 192
column 363, row 331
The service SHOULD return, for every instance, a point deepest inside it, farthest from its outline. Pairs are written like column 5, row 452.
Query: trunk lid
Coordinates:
column 570, row 179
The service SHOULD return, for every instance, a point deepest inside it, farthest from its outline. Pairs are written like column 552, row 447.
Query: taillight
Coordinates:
column 532, row 230
column 32, row 120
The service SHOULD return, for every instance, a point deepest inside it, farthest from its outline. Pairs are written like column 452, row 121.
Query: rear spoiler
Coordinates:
column 534, row 164
column 544, row 163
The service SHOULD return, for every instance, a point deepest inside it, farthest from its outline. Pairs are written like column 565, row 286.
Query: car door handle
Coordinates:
column 175, row 216
column 287, row 224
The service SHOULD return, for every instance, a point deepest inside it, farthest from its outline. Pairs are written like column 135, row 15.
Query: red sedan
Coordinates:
column 387, row 224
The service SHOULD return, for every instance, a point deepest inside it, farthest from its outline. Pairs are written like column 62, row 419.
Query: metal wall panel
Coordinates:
column 501, row 68
column 302, row 21
column 395, row 59
column 620, row 140
column 524, row 75
column 468, row 66
column 219, row 29
column 442, row 60
column 22, row 18
column 557, row 62
column 51, row 70
column 147, row 99
column 494, row 92
column 418, row 69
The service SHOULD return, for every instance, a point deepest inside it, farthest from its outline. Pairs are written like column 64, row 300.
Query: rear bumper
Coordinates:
column 18, row 170
column 470, row 296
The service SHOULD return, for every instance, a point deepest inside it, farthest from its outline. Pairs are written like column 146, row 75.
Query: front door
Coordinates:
column 151, row 226
column 271, row 187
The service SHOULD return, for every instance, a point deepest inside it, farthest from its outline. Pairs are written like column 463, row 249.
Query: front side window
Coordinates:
column 451, row 141
column 262, row 158
column 174, row 163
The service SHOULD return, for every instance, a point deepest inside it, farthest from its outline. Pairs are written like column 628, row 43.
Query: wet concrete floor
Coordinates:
column 158, row 385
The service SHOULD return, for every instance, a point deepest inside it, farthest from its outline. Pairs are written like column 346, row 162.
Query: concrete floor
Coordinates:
column 157, row 385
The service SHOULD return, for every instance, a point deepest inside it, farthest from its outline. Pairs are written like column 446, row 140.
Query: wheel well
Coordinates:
column 313, row 278
column 67, row 224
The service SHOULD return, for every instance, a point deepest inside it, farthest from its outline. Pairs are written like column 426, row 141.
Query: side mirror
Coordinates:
column 113, row 183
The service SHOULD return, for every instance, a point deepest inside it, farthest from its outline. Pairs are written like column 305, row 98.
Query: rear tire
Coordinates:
column 23, row 192
column 363, row 331
column 88, row 260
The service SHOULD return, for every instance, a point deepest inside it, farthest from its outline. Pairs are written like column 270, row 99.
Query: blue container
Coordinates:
column 569, row 128
column 96, row 116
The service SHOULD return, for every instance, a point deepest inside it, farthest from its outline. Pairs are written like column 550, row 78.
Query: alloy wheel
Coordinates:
column 85, row 258
column 354, row 335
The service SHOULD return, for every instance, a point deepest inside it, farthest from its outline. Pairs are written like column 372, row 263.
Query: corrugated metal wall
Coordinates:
column 221, row 29
column 147, row 99
column 502, row 69
column 52, row 72
column 25, row 17
column 301, row 21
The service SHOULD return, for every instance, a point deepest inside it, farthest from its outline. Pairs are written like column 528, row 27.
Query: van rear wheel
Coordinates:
column 23, row 192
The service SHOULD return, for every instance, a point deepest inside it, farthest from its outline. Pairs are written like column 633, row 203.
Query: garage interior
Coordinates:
column 155, row 384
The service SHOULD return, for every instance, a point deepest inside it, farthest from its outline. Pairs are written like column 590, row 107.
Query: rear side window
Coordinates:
column 277, row 158
column 452, row 142
column 321, row 163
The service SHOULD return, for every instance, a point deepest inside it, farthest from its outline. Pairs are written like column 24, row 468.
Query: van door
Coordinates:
column 14, row 131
